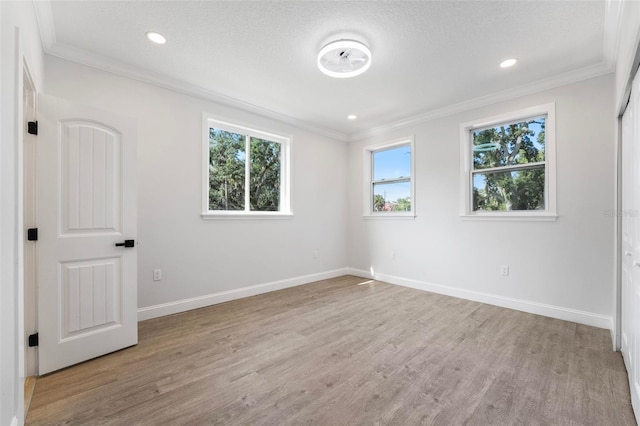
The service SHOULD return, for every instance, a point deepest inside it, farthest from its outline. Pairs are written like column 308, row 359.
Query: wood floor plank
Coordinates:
column 346, row 351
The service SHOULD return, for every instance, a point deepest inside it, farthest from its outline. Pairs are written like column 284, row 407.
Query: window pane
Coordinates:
column 392, row 197
column 512, row 190
column 509, row 144
column 227, row 158
column 392, row 163
column 264, row 177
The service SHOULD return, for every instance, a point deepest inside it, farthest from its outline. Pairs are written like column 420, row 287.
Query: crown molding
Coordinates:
column 100, row 62
column 44, row 17
column 612, row 17
column 501, row 96
column 51, row 47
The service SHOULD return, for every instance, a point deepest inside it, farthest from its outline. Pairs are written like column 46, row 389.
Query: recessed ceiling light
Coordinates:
column 508, row 63
column 156, row 37
column 352, row 117
column 344, row 58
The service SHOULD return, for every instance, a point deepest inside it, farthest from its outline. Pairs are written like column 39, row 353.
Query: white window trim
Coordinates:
column 286, row 212
column 367, row 161
column 466, row 193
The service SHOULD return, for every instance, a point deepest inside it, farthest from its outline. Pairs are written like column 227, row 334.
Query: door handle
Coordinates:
column 127, row 243
column 627, row 253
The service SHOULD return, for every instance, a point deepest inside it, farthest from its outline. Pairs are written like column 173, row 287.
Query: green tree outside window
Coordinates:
column 509, row 166
column 228, row 168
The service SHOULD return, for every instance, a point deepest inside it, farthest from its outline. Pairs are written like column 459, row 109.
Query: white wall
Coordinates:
column 19, row 36
column 567, row 264
column 200, row 257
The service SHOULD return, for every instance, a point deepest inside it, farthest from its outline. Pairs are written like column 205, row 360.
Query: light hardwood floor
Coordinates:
column 29, row 386
column 347, row 352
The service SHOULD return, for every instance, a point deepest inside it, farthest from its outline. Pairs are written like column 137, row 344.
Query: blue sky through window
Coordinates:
column 393, row 163
column 393, row 191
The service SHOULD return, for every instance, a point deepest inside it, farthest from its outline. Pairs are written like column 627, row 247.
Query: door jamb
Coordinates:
column 30, row 307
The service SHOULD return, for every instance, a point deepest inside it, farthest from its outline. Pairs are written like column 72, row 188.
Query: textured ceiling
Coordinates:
column 427, row 55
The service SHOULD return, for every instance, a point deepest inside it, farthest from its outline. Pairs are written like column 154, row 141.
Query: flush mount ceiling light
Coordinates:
column 344, row 58
column 352, row 117
column 156, row 37
column 508, row 63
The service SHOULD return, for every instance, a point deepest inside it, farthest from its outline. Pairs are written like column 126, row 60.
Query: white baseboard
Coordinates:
column 567, row 314
column 169, row 308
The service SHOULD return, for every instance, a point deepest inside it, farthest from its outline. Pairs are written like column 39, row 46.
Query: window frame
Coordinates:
column 368, row 151
column 209, row 121
column 466, row 166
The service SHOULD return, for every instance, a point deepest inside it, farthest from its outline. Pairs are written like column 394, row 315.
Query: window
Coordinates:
column 508, row 165
column 245, row 171
column 389, row 179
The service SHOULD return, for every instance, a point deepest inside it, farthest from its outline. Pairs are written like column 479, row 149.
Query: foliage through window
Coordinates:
column 508, row 169
column 245, row 170
column 508, row 163
column 390, row 178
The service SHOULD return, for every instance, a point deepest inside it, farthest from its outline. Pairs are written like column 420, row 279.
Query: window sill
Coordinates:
column 512, row 216
column 246, row 216
column 390, row 216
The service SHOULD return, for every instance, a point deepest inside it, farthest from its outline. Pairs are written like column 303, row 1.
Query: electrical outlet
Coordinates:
column 504, row 270
column 157, row 274
column 393, row 255
column 315, row 254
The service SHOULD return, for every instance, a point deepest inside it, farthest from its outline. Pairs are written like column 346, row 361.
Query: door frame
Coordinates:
column 22, row 70
column 29, row 287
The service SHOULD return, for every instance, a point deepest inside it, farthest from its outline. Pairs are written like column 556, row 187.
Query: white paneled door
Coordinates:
column 630, row 243
column 86, row 210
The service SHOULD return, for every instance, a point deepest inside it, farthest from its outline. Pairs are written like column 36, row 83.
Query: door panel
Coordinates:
column 634, row 221
column 91, row 300
column 630, row 243
column 86, row 204
column 91, row 191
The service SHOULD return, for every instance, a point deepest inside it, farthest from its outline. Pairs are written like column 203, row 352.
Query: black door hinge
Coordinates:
column 32, row 234
column 32, row 127
column 33, row 340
